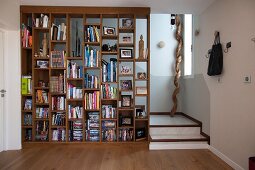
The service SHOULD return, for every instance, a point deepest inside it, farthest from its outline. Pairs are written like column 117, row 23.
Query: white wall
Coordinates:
column 162, row 63
column 9, row 20
column 231, row 101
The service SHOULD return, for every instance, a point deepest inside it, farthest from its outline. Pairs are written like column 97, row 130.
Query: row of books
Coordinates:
column 27, row 119
column 75, row 131
column 108, row 92
column 41, row 96
column 93, row 120
column 108, row 111
column 91, row 34
column 26, row 36
column 74, row 70
column 93, row 135
column 75, row 112
column 58, row 119
column 59, row 134
column 109, row 135
column 74, row 92
column 57, row 59
column 26, row 84
column 28, row 104
column 91, row 100
column 58, row 32
column 58, row 103
column 42, row 130
column 28, row 134
column 42, row 112
column 91, row 81
column 57, row 83
column 91, row 57
column 126, row 135
column 109, row 70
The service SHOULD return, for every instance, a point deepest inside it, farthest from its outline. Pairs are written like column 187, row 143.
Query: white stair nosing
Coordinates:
column 182, row 145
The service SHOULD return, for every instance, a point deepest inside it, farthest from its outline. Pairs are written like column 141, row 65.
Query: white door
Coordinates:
column 2, row 91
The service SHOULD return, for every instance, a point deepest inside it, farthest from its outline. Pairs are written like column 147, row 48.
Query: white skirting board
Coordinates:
column 178, row 145
column 225, row 158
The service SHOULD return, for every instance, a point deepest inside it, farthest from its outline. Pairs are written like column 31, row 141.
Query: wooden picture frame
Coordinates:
column 126, row 84
column 126, row 38
column 141, row 75
column 140, row 111
column 126, row 121
column 126, row 53
column 127, row 23
column 142, row 90
column 126, row 100
column 109, row 30
column 125, row 70
column 140, row 134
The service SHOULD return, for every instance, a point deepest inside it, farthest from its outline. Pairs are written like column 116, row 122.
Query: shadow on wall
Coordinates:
column 195, row 100
column 161, row 91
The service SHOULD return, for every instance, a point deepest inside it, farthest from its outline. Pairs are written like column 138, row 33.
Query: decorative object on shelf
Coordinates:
column 125, row 70
column 42, row 83
column 140, row 134
column 161, row 44
column 141, row 75
column 140, row 111
column 141, row 90
column 45, row 45
column 42, row 64
column 108, row 48
column 126, row 100
column 127, row 23
column 45, row 21
column 126, row 53
column 126, row 38
column 141, row 48
column 109, row 31
column 77, row 42
column 177, row 64
column 126, row 121
column 126, row 84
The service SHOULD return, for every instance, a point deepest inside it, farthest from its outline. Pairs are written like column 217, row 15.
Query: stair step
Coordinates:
column 166, row 120
column 178, row 137
column 178, row 145
column 175, row 131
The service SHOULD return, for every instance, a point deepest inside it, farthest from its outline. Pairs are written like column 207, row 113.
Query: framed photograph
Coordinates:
column 126, row 53
column 127, row 23
column 125, row 70
column 126, row 121
column 141, row 75
column 109, row 31
column 126, row 84
column 42, row 64
column 141, row 90
column 140, row 111
column 140, row 134
column 126, row 100
column 126, row 38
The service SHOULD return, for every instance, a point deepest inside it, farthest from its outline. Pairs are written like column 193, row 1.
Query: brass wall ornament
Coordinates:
column 178, row 35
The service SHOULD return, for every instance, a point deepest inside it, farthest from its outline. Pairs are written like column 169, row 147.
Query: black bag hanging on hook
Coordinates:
column 216, row 57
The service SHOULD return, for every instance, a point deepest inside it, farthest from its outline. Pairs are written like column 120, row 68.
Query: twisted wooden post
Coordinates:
column 177, row 64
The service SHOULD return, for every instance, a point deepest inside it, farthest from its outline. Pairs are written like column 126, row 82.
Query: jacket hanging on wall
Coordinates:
column 216, row 57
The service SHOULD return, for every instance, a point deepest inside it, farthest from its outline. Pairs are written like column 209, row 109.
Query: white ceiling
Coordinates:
column 157, row 6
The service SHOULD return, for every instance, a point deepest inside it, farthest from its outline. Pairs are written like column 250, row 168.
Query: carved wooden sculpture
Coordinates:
column 177, row 64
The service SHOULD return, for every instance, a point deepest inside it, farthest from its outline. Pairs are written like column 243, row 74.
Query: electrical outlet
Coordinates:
column 247, row 79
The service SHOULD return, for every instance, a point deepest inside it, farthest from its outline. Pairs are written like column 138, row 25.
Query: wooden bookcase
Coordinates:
column 85, row 83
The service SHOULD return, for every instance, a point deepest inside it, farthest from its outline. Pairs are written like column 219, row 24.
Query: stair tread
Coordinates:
column 177, row 120
column 178, row 136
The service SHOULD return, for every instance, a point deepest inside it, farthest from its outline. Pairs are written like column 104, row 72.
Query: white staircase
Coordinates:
column 178, row 132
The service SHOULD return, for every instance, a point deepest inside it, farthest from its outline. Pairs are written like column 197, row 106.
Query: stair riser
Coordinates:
column 174, row 130
column 178, row 145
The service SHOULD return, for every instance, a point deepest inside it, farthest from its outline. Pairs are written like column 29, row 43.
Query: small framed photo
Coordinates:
column 109, row 31
column 141, row 90
column 140, row 111
column 126, row 53
column 42, row 64
column 127, row 23
column 141, row 75
column 126, row 121
column 126, row 100
column 126, row 38
column 126, row 84
column 140, row 134
column 125, row 70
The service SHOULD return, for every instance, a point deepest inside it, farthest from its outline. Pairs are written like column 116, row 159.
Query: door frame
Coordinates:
column 2, row 108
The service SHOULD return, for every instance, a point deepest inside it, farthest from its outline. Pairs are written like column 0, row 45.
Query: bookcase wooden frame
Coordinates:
column 28, row 66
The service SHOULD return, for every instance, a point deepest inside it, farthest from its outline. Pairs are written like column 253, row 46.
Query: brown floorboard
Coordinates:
column 107, row 157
